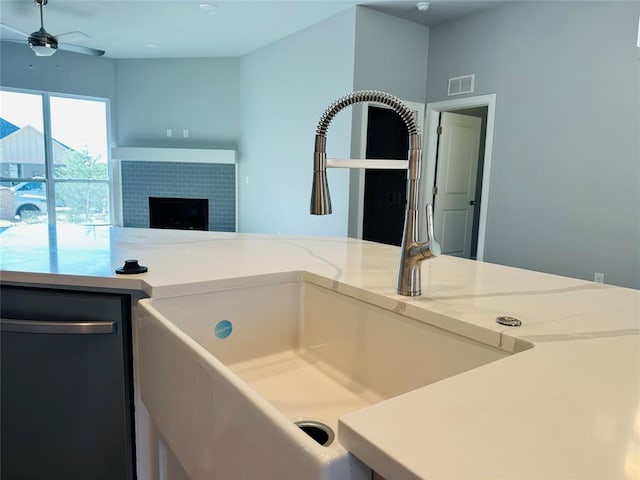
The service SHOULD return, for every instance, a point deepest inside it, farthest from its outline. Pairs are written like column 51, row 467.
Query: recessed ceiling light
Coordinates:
column 210, row 8
column 423, row 6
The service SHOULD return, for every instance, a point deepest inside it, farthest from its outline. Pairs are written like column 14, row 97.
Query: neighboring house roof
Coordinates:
column 6, row 128
column 26, row 145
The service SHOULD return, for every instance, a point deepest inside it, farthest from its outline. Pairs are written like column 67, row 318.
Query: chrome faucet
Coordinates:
column 412, row 251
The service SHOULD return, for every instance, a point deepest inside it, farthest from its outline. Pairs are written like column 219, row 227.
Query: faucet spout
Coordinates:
column 412, row 252
column 320, row 198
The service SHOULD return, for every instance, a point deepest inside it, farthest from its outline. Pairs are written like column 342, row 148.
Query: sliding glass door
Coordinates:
column 54, row 162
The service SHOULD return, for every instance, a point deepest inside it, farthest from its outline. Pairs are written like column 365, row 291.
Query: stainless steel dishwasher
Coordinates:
column 66, row 394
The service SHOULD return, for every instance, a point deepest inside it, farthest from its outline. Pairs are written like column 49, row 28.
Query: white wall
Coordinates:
column 565, row 174
column 285, row 88
column 200, row 95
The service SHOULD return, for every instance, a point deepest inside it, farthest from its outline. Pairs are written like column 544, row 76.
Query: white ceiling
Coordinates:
column 169, row 28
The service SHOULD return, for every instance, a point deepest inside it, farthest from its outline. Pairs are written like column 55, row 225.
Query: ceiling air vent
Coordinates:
column 460, row 85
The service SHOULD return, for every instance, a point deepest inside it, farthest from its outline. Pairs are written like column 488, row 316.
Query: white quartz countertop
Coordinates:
column 567, row 408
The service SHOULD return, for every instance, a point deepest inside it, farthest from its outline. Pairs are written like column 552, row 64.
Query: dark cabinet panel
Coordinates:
column 66, row 391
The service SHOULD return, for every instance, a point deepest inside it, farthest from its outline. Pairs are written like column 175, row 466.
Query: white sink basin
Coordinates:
column 224, row 375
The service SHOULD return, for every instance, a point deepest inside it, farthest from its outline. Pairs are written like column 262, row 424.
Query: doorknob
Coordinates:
column 472, row 202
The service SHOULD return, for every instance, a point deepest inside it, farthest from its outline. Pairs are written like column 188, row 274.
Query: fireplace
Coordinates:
column 179, row 213
column 215, row 182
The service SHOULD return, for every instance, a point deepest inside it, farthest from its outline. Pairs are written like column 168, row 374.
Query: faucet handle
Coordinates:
column 434, row 246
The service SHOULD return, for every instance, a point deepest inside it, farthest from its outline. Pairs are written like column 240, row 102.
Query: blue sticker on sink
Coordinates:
column 223, row 329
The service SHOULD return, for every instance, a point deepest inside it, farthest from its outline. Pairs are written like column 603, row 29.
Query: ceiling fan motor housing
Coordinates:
column 43, row 43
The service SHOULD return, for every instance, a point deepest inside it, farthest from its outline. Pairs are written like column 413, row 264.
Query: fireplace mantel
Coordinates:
column 178, row 155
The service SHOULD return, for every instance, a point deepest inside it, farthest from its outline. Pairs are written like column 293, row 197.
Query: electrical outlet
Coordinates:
column 598, row 277
column 169, row 132
column 185, row 133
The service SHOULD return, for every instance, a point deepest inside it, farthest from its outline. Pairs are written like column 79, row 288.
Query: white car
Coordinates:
column 30, row 199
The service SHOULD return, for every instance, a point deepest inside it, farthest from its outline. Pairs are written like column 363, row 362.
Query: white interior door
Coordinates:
column 457, row 167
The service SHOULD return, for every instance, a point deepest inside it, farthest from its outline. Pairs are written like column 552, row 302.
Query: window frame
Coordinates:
column 50, row 179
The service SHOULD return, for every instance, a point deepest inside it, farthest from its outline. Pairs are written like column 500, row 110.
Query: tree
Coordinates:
column 82, row 201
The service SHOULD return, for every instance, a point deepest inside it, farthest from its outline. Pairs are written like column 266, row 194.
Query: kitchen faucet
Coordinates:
column 412, row 252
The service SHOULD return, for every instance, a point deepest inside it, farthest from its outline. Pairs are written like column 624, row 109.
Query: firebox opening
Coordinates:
column 179, row 213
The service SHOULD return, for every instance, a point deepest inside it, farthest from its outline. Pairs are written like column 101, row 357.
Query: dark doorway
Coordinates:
column 179, row 213
column 385, row 192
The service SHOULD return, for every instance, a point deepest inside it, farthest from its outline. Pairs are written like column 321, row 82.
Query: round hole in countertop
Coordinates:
column 320, row 432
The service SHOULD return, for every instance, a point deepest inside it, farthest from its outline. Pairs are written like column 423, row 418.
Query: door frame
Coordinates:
column 430, row 145
column 359, row 185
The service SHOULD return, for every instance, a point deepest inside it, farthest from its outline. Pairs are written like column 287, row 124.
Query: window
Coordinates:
column 54, row 163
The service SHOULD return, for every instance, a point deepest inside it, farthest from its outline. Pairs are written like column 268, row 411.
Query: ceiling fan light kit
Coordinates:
column 43, row 51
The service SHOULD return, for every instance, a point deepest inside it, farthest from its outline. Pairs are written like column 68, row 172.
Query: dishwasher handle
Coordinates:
column 68, row 328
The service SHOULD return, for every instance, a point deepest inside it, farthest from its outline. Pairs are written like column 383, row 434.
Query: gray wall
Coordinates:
column 63, row 72
column 198, row 94
column 285, row 88
column 391, row 56
column 566, row 163
column 565, row 174
column 147, row 96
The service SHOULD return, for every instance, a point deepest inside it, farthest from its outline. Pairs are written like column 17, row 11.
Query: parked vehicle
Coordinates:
column 30, row 199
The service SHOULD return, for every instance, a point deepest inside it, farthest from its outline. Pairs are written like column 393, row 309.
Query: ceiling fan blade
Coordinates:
column 14, row 30
column 72, row 37
column 21, row 42
column 80, row 49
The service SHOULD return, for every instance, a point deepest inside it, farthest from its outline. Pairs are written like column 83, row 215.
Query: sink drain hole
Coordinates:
column 320, row 432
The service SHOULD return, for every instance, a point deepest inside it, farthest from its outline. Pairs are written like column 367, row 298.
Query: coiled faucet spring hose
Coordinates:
column 389, row 100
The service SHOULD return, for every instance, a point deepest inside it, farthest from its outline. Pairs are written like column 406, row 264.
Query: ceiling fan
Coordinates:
column 44, row 44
